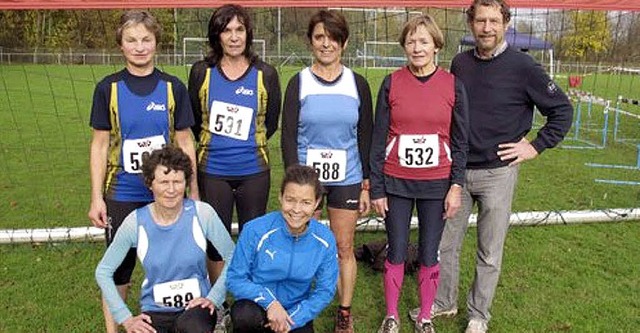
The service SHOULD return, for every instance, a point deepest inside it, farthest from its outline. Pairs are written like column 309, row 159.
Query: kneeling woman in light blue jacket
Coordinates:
column 285, row 268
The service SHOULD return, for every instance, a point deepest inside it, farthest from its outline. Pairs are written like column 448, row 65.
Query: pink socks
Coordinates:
column 428, row 278
column 393, row 279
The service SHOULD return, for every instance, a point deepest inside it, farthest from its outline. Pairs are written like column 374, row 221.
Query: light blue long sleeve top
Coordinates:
column 167, row 253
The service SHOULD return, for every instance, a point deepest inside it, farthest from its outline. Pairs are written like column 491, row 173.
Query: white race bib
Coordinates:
column 230, row 120
column 176, row 294
column 133, row 149
column 330, row 164
column 419, row 151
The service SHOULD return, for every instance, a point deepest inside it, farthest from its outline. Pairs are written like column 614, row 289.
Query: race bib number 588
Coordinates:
column 330, row 164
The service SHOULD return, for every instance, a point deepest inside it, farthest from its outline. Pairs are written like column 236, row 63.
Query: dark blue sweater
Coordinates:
column 502, row 93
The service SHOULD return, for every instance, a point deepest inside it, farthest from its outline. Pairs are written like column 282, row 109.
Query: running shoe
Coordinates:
column 389, row 325
column 435, row 312
column 424, row 327
column 476, row 326
column 344, row 322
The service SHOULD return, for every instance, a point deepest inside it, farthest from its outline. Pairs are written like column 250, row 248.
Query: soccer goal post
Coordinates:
column 196, row 48
column 384, row 55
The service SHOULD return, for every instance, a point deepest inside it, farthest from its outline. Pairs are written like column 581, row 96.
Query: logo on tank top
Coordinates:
column 156, row 107
column 144, row 143
column 244, row 91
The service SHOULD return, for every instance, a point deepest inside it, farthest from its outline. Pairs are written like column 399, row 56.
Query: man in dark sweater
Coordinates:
column 503, row 86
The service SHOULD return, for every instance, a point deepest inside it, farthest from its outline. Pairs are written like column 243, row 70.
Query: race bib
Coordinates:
column 330, row 164
column 419, row 151
column 230, row 120
column 176, row 294
column 134, row 149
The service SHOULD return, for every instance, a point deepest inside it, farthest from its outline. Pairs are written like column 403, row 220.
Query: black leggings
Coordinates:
column 194, row 320
column 117, row 211
column 250, row 195
column 248, row 317
column 430, row 227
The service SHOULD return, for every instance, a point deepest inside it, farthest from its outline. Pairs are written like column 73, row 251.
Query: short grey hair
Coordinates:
column 132, row 17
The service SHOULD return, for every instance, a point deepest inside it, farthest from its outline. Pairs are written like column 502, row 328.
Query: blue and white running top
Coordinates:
column 173, row 258
column 333, row 124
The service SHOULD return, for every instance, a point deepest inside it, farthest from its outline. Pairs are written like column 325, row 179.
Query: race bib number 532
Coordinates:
column 419, row 151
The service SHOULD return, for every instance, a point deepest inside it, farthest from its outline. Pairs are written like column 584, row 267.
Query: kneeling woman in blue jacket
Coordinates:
column 285, row 268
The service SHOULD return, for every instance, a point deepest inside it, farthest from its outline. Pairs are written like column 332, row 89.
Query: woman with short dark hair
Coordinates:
column 284, row 270
column 170, row 235
column 326, row 123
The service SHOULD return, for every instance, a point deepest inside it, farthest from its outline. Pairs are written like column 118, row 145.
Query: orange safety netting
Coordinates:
column 632, row 5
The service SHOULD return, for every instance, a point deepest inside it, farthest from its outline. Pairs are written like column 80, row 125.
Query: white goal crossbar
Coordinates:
column 368, row 56
column 13, row 236
column 262, row 51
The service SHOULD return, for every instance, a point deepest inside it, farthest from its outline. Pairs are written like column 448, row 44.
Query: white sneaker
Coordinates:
column 424, row 327
column 435, row 312
column 223, row 321
column 476, row 326
column 389, row 325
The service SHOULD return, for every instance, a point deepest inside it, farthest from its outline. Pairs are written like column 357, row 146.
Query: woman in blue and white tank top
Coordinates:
column 327, row 124
column 170, row 236
column 236, row 103
column 134, row 111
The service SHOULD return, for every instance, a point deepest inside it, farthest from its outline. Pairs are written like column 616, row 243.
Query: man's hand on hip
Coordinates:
column 517, row 151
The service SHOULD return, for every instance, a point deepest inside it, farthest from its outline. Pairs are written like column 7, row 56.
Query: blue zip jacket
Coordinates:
column 270, row 264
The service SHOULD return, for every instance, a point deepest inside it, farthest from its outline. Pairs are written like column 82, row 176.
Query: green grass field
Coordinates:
column 44, row 121
column 572, row 278
column 563, row 278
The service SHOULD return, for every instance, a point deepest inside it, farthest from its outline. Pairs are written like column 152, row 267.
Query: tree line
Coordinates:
column 576, row 35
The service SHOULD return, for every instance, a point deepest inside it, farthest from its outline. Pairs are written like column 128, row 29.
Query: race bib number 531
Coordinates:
column 419, row 151
column 230, row 120
column 176, row 294
column 134, row 149
column 330, row 164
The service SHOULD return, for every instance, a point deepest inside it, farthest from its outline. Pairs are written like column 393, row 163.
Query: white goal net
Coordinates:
column 196, row 48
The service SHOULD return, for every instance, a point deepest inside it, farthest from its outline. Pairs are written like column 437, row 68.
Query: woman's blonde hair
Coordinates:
column 412, row 25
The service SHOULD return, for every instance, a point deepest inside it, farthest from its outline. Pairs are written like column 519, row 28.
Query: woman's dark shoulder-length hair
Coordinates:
column 219, row 21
